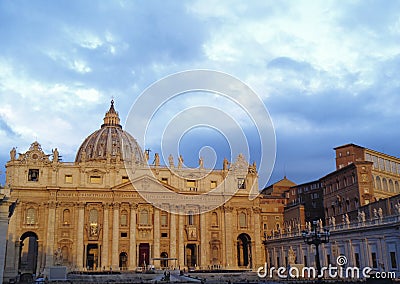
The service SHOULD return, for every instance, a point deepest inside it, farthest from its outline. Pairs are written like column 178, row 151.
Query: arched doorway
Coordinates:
column 28, row 253
column 164, row 262
column 123, row 261
column 244, row 251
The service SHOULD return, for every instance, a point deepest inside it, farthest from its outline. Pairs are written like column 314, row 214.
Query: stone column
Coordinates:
column 156, row 239
column 115, row 238
column 229, row 244
column 172, row 236
column 257, row 256
column 181, row 244
column 40, row 260
column 79, row 231
column 203, row 238
column 106, row 240
column 132, row 238
column 3, row 233
column 51, row 223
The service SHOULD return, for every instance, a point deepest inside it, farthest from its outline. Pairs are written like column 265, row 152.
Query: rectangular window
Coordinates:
column 381, row 164
column 305, row 261
column 164, row 220
column 95, row 179
column 357, row 259
column 328, row 259
column 68, row 179
column 33, row 175
column 374, row 262
column 242, row 220
column 124, row 234
column 124, row 219
column 241, row 184
column 375, row 160
column 164, row 235
column 213, row 184
column 191, row 184
column 393, row 259
column 387, row 165
column 393, row 167
column 190, row 219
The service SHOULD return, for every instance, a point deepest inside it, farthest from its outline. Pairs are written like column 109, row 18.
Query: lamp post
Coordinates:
column 316, row 236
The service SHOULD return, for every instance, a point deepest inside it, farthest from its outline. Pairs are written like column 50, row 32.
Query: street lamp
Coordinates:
column 316, row 237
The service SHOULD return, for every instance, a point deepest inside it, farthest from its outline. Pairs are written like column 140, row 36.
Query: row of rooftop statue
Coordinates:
column 156, row 161
column 377, row 216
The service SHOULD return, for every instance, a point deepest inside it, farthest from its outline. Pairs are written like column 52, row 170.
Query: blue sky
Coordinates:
column 327, row 71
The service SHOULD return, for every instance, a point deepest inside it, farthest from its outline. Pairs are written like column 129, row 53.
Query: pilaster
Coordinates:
column 51, row 222
column 79, row 231
column 156, row 252
column 106, row 229
column 230, row 261
column 203, row 241
column 115, row 237
column 132, row 238
column 181, row 246
column 172, row 234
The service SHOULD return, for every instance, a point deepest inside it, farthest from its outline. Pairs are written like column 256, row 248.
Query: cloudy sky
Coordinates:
column 327, row 71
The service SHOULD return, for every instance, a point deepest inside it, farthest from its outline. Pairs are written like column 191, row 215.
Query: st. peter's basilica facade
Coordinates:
column 89, row 215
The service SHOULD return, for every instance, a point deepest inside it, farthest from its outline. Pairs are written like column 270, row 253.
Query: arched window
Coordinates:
column 214, row 219
column 242, row 220
column 66, row 216
column 164, row 219
column 391, row 186
column 31, row 216
column 385, row 184
column 93, row 216
column 214, row 254
column 144, row 217
column 124, row 218
column 378, row 184
column 65, row 253
column 396, row 187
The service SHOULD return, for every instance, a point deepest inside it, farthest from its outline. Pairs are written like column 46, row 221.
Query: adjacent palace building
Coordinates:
column 90, row 214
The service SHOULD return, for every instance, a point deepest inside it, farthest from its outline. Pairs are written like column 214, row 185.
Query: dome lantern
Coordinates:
column 111, row 118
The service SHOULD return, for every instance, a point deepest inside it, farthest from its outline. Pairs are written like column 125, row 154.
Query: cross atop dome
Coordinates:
column 111, row 118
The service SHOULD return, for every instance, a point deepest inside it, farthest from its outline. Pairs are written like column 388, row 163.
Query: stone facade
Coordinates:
column 89, row 215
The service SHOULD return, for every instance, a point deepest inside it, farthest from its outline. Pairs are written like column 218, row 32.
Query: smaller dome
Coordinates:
column 110, row 142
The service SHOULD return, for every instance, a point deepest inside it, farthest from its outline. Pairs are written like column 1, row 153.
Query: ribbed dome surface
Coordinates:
column 110, row 142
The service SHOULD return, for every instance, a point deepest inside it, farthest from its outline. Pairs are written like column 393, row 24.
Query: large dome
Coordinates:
column 110, row 143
